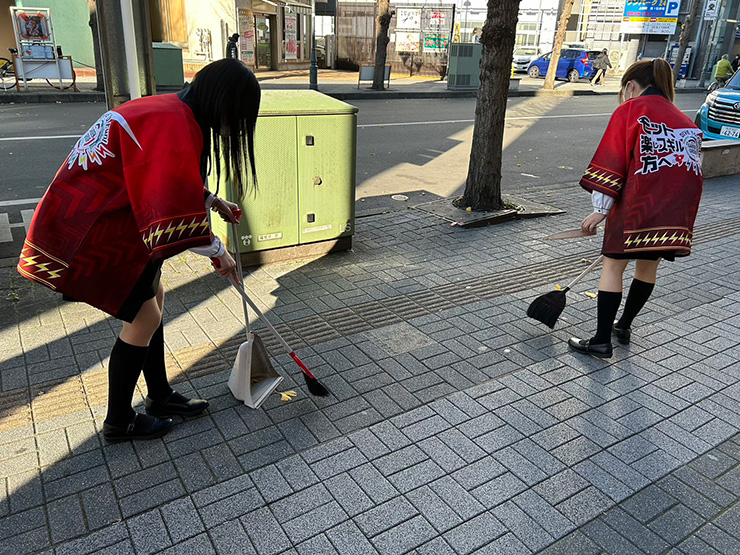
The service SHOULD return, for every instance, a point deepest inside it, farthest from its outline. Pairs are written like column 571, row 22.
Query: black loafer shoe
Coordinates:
column 175, row 404
column 141, row 427
column 622, row 334
column 602, row 350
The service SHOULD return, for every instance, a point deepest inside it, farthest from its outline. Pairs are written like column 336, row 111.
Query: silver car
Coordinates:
column 523, row 56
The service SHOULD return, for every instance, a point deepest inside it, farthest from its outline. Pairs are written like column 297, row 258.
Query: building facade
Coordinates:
column 275, row 33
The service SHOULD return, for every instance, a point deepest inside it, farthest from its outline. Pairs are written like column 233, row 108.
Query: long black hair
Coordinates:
column 226, row 101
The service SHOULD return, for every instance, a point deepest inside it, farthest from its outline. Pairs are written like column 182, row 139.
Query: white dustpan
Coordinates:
column 253, row 377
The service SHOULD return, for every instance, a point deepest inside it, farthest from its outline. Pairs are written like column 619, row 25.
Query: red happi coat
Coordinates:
column 649, row 160
column 130, row 192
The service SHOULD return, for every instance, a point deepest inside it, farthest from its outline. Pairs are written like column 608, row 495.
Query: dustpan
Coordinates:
column 253, row 378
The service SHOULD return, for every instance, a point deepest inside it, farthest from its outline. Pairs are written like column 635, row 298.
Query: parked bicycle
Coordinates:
column 7, row 74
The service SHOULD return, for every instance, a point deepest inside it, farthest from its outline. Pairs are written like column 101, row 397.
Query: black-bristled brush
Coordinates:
column 548, row 307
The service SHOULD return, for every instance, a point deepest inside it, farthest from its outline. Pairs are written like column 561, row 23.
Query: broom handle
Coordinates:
column 586, row 271
column 272, row 329
column 238, row 258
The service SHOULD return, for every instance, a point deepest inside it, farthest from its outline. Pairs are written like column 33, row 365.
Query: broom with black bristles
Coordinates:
column 548, row 307
column 314, row 386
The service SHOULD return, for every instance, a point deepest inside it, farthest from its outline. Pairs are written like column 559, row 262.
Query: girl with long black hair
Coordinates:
column 131, row 195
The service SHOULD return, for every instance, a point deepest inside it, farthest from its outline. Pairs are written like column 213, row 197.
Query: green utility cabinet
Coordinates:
column 168, row 71
column 305, row 154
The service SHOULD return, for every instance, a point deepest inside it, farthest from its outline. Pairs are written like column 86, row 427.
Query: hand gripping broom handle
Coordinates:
column 272, row 329
column 583, row 274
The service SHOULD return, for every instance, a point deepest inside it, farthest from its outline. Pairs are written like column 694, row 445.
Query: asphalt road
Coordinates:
column 403, row 146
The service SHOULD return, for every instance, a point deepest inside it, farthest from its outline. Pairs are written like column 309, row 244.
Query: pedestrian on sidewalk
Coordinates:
column 232, row 49
column 601, row 64
column 645, row 180
column 129, row 196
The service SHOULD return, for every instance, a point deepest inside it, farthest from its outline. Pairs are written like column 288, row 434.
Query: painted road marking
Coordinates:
column 6, row 228
column 41, row 138
column 27, row 216
column 20, row 202
column 6, row 235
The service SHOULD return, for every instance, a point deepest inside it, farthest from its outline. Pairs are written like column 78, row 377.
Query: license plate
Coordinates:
column 732, row 132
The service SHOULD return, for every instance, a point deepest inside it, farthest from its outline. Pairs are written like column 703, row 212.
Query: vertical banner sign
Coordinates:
column 245, row 21
column 685, row 63
column 650, row 17
column 33, row 34
column 291, row 36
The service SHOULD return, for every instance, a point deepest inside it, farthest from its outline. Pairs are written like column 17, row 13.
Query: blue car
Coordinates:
column 719, row 116
column 574, row 64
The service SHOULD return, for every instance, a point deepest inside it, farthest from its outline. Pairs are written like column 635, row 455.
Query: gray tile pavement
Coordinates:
column 455, row 424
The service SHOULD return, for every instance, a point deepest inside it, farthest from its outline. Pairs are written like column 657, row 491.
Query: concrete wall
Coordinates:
column 6, row 28
column 71, row 31
column 720, row 158
column 208, row 15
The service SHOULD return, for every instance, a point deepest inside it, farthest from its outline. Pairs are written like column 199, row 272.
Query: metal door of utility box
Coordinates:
column 305, row 150
column 326, row 192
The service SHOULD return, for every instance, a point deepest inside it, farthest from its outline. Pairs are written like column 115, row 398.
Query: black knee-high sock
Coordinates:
column 607, row 307
column 637, row 297
column 155, row 372
column 123, row 372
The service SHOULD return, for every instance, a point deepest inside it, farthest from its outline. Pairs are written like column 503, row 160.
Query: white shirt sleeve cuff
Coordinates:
column 602, row 203
column 210, row 200
column 214, row 250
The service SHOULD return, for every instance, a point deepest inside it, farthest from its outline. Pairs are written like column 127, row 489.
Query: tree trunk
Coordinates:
column 383, row 22
column 685, row 36
column 558, row 46
column 93, row 22
column 483, row 186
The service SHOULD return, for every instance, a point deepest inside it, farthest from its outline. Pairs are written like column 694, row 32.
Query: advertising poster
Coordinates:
column 408, row 19
column 711, row 10
column 246, row 35
column 437, row 19
column 32, row 26
column 291, row 36
column 435, row 42
column 407, row 42
column 650, row 17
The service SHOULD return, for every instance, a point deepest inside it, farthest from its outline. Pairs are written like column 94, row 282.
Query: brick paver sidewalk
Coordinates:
column 456, row 425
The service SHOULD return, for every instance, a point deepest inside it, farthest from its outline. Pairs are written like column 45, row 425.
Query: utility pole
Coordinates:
column 697, row 42
column 115, row 71
column 314, row 71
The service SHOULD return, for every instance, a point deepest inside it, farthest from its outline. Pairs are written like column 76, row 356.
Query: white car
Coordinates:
column 523, row 56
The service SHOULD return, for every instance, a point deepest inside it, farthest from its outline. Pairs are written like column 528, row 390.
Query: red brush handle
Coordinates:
column 299, row 362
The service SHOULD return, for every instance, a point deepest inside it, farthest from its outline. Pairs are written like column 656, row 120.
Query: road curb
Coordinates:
column 50, row 97
column 93, row 96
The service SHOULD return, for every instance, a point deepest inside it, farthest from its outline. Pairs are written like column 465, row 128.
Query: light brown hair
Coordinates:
column 650, row 73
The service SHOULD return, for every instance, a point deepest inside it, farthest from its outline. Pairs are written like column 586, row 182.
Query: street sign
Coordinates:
column 711, row 11
column 650, row 17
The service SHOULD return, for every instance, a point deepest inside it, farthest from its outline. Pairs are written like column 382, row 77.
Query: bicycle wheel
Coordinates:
column 7, row 74
column 6, row 67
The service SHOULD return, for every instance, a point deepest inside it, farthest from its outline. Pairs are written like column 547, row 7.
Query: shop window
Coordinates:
column 169, row 23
